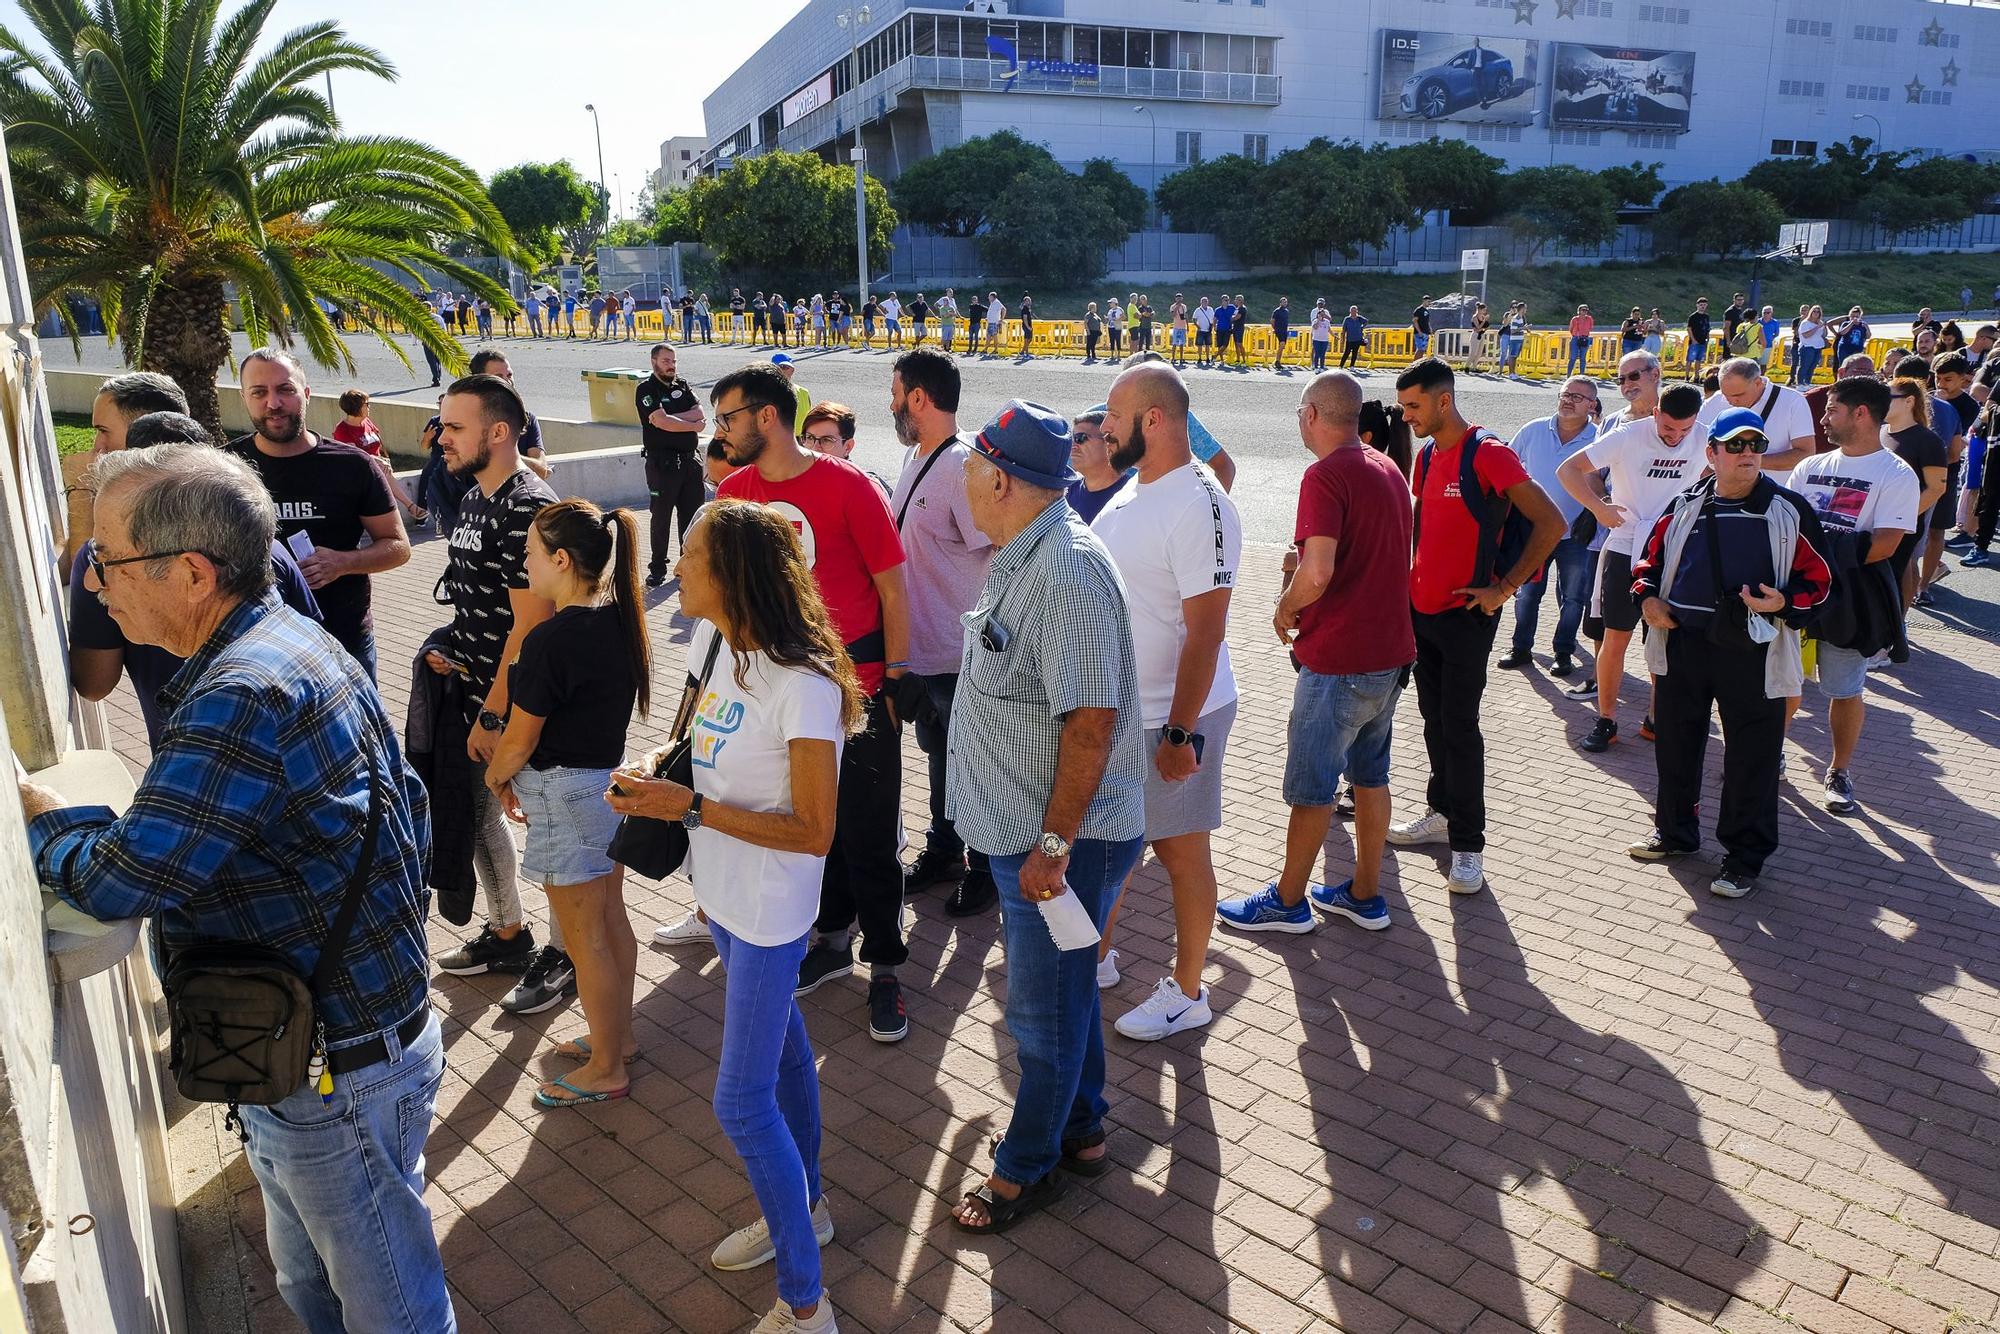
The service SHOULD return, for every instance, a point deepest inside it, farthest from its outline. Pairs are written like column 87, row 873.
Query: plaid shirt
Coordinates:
column 244, row 827
column 1055, row 599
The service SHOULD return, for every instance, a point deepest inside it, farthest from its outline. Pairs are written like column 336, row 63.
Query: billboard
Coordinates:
column 807, row 99
column 1622, row 87
column 1453, row 76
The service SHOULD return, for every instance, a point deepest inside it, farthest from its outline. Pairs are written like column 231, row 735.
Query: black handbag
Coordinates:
column 244, row 1025
column 656, row 848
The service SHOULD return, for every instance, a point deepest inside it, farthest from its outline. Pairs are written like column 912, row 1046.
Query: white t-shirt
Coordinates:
column 996, row 312
column 1646, row 475
column 1204, row 318
column 1322, row 325
column 1860, row 493
column 742, row 756
column 892, row 309
column 1791, row 416
column 1172, row 539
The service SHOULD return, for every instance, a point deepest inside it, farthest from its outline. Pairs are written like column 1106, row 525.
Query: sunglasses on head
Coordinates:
column 1756, row 444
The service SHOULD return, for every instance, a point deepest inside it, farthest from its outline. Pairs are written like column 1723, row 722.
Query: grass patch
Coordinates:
column 73, row 433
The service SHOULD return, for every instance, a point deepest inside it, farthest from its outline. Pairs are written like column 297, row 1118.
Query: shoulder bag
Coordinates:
column 651, row 846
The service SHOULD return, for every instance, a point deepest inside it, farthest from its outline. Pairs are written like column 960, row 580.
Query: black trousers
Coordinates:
column 673, row 485
column 1987, row 517
column 863, row 880
column 1452, row 649
column 1730, row 678
column 934, row 740
column 1350, row 352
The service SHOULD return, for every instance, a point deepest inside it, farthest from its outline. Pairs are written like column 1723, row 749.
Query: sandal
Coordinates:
column 1072, row 1162
column 578, row 1049
column 1002, row 1213
column 583, row 1096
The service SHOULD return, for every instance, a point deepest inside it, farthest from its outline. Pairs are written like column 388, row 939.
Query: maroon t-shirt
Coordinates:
column 1361, row 623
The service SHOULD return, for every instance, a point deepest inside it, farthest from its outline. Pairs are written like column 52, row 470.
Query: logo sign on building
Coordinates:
column 807, row 99
column 1620, row 87
column 1045, row 75
column 1449, row 76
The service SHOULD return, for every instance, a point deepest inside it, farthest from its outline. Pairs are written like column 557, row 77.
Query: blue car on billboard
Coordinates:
column 1473, row 77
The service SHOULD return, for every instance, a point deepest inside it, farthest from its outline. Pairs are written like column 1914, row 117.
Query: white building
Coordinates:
column 678, row 157
column 1705, row 87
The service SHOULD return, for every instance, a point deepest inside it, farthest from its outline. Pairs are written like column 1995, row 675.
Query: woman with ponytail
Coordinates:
column 573, row 687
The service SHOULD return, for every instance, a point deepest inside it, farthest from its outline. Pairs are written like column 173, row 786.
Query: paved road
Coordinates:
column 1250, row 412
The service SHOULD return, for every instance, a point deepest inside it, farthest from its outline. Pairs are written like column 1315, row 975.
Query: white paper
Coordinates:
column 301, row 545
column 1069, row 921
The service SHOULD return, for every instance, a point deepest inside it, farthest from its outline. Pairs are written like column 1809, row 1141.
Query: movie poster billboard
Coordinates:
column 1622, row 87
column 1453, row 76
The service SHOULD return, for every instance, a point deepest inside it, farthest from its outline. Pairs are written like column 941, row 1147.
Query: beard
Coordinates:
column 745, row 452
column 906, row 427
column 280, row 428
column 1126, row 454
column 473, row 466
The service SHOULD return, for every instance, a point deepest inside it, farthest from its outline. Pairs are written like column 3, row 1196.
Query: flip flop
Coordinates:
column 583, row 1096
column 581, row 1051
column 1002, row 1214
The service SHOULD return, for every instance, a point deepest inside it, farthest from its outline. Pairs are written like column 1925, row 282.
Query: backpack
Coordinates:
column 1739, row 342
column 1503, row 530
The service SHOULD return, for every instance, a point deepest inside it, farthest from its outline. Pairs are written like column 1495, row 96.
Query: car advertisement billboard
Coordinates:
column 1453, row 76
column 1622, row 87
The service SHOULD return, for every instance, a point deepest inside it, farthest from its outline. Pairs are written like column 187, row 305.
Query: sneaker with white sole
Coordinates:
column 689, row 930
column 748, row 1247
column 1265, row 911
column 1165, row 1012
column 1370, row 914
column 1468, row 873
column 1107, row 970
column 1430, row 827
column 780, row 1319
column 549, row 981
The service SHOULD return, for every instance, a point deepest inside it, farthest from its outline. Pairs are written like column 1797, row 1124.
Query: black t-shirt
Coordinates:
column 575, row 673
column 489, row 559
column 675, row 397
column 1698, row 326
column 736, row 305
column 1420, row 319
column 1967, row 408
column 1732, row 317
column 920, row 310
column 325, row 493
column 976, row 312
column 687, row 304
column 871, row 310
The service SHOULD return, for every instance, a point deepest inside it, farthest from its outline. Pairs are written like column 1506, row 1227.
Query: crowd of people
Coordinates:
column 1044, row 599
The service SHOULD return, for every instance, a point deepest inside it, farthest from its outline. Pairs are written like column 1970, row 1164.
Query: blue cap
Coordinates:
column 781, row 358
column 1028, row 441
column 1736, row 422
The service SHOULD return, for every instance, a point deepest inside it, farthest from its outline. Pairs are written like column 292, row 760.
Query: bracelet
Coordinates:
column 892, row 666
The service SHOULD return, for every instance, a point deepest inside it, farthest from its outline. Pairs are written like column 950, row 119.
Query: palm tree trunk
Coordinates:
column 187, row 338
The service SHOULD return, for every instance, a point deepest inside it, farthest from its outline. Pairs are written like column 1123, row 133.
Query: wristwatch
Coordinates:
column 691, row 819
column 1177, row 736
column 490, row 721
column 1053, row 846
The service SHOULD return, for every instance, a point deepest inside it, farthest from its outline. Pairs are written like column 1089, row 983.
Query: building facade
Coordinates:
column 1705, row 87
column 678, row 157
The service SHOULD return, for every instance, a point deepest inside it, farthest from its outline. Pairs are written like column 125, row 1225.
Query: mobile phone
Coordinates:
column 1197, row 740
column 301, row 545
column 618, row 791
column 453, row 663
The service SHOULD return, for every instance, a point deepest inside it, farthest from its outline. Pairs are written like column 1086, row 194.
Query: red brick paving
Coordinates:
column 1593, row 1097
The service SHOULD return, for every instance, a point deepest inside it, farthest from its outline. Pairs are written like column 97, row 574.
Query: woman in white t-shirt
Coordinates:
column 779, row 699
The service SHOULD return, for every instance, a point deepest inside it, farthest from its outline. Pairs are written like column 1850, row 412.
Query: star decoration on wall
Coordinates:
column 1950, row 73
column 1524, row 11
column 1915, row 88
column 1929, row 36
column 1566, row 9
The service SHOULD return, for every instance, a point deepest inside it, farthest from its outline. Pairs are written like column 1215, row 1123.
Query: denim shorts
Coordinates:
column 1842, row 673
column 569, row 824
column 1340, row 724
column 1194, row 805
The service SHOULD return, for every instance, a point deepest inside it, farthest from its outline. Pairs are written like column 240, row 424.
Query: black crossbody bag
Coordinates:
column 653, row 847
column 245, row 1026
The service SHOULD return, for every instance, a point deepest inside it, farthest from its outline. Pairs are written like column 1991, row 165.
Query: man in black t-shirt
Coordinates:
column 1732, row 317
column 670, row 425
column 331, row 493
column 687, row 316
column 1699, row 325
column 736, row 308
column 920, row 310
column 1420, row 327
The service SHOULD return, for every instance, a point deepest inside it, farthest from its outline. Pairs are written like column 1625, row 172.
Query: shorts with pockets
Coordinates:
column 1842, row 673
column 1614, row 593
column 1339, row 725
column 1194, row 805
column 569, row 824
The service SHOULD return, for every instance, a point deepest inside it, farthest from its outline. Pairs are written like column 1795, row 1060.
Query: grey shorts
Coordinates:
column 1194, row 806
column 569, row 824
column 1842, row 673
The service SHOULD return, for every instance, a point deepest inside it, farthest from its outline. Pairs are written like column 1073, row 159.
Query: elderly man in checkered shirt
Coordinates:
column 1047, row 777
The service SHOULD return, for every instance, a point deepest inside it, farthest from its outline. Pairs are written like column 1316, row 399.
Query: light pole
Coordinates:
column 852, row 19
column 1153, row 153
column 591, row 107
column 1863, row 115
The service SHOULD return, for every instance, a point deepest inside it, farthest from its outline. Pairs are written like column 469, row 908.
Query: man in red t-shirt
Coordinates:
column 856, row 556
column 1454, row 616
column 1346, row 616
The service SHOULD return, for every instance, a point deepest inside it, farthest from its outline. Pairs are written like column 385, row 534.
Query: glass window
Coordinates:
column 924, row 34
column 1187, row 50
column 1032, row 42
column 1166, row 50
column 1111, row 46
column 1187, row 147
column 1214, row 51
column 1083, row 41
column 947, row 36
column 972, row 36
column 1139, row 50
column 1266, row 51
column 1239, row 54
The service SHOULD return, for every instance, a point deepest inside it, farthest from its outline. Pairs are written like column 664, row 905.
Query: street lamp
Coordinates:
column 1863, row 115
column 591, row 107
column 1153, row 138
column 851, row 20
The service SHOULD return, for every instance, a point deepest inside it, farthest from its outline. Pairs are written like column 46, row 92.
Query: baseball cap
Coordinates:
column 1735, row 422
column 1028, row 441
column 781, row 358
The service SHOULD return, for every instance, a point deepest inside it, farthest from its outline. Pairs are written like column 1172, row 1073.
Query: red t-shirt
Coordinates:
column 1448, row 539
column 367, row 436
column 1361, row 623
column 844, row 524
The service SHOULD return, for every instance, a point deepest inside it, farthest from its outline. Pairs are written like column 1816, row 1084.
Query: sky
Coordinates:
column 481, row 81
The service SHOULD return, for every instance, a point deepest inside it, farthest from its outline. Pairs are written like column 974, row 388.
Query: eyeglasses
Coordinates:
column 722, row 418
column 98, row 565
column 822, row 442
column 1756, row 444
column 1632, row 377
column 1085, row 437
column 1576, row 398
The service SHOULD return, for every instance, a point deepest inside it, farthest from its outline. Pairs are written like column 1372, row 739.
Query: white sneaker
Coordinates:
column 1430, row 827
column 1468, row 873
column 780, row 1320
column 748, row 1247
column 689, row 930
column 1107, row 970
column 1164, row 1013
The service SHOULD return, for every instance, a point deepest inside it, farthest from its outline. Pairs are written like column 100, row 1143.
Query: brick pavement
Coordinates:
column 1591, row 1098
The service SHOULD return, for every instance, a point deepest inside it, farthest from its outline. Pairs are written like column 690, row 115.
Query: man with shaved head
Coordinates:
column 1176, row 540
column 1345, row 615
column 1788, row 422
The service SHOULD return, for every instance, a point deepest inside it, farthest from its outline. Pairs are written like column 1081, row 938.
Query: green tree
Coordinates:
column 1636, row 186
column 1565, row 204
column 1325, row 196
column 1051, row 226
column 1127, row 200
column 1209, row 196
column 543, row 201
column 1709, row 217
column 790, row 215
column 954, row 191
column 1447, row 174
column 158, row 158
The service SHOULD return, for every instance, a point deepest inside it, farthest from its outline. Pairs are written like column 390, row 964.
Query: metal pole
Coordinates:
column 591, row 107
column 1879, row 145
column 860, row 189
column 1153, row 154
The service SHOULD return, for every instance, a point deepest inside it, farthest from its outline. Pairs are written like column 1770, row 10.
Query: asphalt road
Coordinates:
column 1251, row 412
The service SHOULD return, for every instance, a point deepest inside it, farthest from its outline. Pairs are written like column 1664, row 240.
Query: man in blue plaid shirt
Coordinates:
column 245, row 829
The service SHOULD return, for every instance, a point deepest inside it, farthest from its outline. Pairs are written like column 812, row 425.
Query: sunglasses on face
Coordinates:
column 1756, row 444
column 1084, row 438
column 1631, row 377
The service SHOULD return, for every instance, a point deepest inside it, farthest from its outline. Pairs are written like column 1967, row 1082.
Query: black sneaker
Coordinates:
column 655, row 578
column 1601, row 737
column 1585, row 689
column 1646, row 730
column 1564, row 665
column 823, row 962
column 1734, row 881
column 550, row 979
column 933, row 868
column 1519, row 657
column 490, row 952
column 1840, row 793
column 975, row 894
column 1655, row 848
column 886, row 1020
column 1343, row 801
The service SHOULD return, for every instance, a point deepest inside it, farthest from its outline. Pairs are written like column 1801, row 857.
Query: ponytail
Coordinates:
column 586, row 533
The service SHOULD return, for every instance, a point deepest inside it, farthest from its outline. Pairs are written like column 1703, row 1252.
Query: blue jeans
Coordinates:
column 1578, row 349
column 1569, row 569
column 1808, row 364
column 1052, row 1011
column 767, row 1099
column 343, row 1182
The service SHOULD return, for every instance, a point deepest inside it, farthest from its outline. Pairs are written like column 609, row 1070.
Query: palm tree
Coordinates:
column 159, row 161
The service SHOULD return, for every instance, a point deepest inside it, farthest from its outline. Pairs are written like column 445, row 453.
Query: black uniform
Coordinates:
column 673, row 463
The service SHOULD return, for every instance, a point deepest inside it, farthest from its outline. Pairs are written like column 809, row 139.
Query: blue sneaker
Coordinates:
column 1368, row 914
column 1263, row 911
